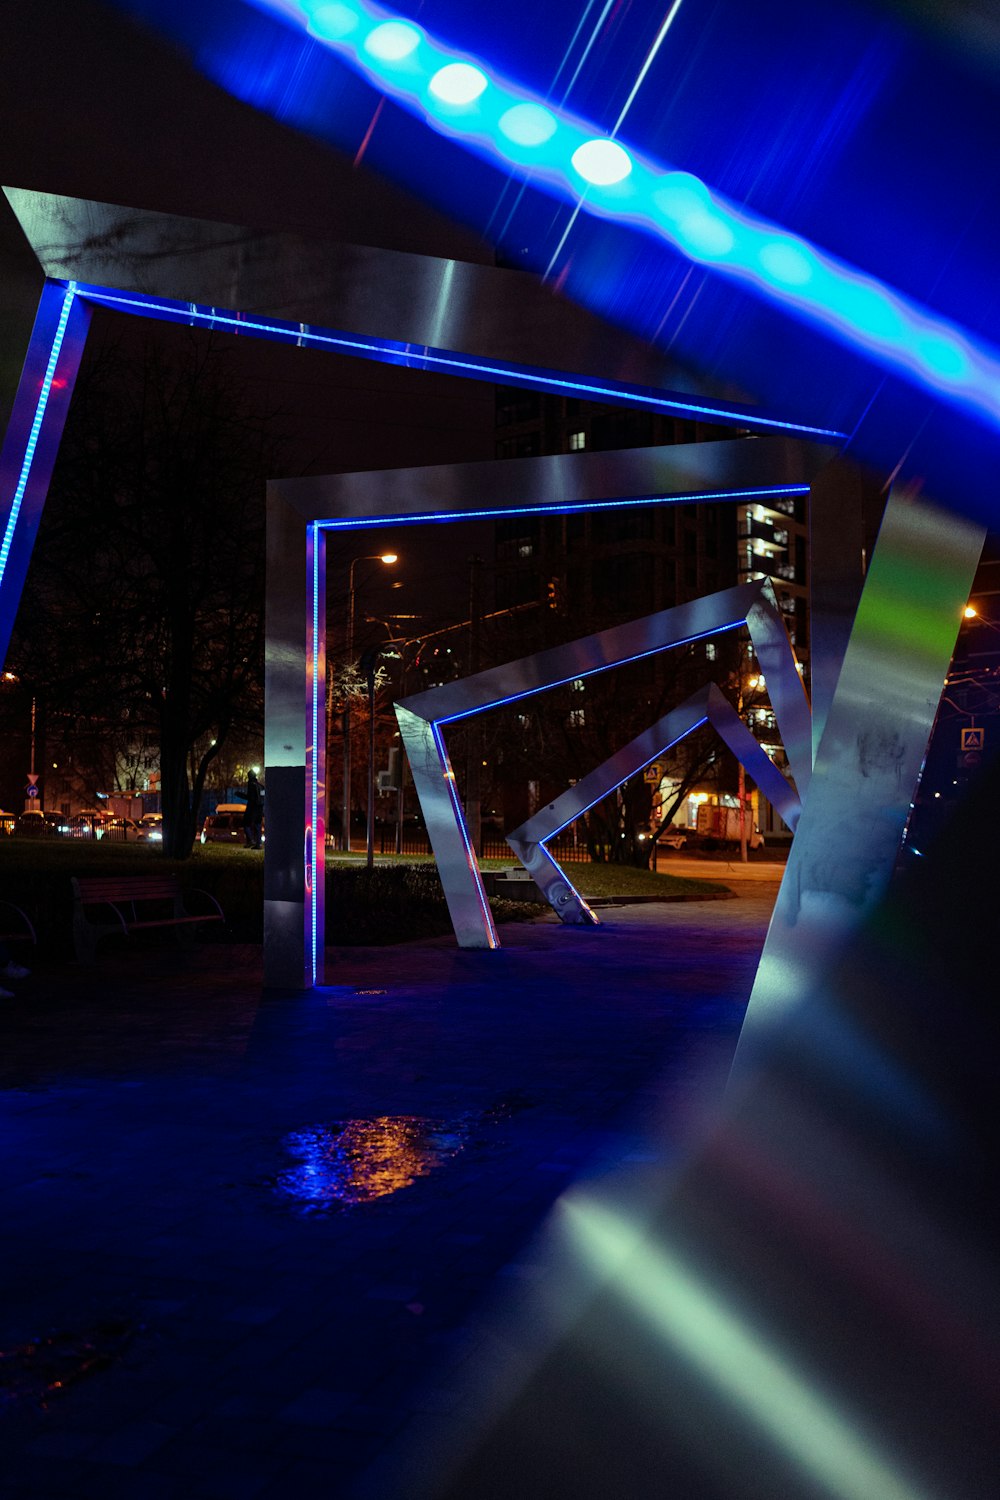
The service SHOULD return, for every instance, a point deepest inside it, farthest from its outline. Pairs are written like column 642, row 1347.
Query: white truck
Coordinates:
column 723, row 825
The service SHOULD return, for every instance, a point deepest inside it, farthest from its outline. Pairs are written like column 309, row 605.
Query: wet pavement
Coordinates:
column 250, row 1241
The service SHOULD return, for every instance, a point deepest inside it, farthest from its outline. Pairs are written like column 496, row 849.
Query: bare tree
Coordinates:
column 144, row 605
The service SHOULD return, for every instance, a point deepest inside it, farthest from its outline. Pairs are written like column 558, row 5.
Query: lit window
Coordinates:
column 577, row 440
column 710, row 651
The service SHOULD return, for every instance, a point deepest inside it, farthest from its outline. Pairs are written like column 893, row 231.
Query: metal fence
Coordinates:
column 414, row 844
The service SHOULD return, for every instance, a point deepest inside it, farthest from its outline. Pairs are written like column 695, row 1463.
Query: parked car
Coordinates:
column 673, row 838
column 34, row 824
column 151, row 828
column 84, row 825
column 225, row 825
column 121, row 830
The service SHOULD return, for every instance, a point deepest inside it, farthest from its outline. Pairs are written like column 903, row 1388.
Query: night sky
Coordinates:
column 94, row 106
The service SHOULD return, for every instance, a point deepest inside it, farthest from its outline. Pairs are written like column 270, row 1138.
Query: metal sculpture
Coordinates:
column 707, row 706
column 474, row 321
column 422, row 719
column 484, row 323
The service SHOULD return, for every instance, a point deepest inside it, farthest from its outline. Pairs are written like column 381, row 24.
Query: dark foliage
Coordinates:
column 142, row 624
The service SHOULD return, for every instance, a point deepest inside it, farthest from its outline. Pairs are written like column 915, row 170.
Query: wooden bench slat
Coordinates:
column 174, row 921
column 124, row 894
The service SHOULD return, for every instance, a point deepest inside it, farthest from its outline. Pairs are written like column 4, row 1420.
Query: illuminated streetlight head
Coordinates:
column 970, row 613
column 389, row 557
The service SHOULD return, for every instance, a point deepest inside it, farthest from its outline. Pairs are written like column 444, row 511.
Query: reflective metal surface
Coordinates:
column 434, row 782
column 31, row 441
column 422, row 717
column 288, row 916
column 404, row 300
column 385, row 305
column 689, row 471
column 586, row 480
column 869, row 757
column 708, row 705
column 845, row 504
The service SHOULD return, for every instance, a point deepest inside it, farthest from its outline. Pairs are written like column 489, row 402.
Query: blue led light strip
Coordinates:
column 458, row 96
column 355, row 523
column 317, row 856
column 470, row 853
column 391, row 351
column 560, row 871
column 481, row 708
column 661, row 751
column 36, row 426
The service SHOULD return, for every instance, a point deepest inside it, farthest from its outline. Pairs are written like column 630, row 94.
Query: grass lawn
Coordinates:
column 399, row 900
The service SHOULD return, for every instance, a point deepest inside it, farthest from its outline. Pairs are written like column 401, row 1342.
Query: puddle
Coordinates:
column 37, row 1371
column 348, row 1162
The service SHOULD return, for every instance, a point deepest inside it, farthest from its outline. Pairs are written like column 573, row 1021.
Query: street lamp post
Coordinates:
column 383, row 557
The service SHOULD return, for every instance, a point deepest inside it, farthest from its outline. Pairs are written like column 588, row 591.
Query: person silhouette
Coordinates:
column 253, row 813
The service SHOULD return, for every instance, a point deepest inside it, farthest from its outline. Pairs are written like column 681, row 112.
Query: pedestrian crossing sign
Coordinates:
column 972, row 739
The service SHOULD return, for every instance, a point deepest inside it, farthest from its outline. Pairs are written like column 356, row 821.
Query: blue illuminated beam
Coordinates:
column 708, row 705
column 570, row 507
column 460, row 96
column 448, row 362
column 422, row 718
column 33, row 433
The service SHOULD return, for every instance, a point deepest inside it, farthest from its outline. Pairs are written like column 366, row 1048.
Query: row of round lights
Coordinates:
column 676, row 203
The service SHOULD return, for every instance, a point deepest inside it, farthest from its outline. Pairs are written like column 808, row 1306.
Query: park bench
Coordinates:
column 105, row 904
column 17, row 928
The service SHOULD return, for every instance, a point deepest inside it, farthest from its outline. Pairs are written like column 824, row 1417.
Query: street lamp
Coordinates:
column 388, row 558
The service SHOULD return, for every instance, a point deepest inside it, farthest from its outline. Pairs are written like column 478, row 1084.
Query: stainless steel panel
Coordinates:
column 784, row 685
column 841, row 498
column 716, row 470
column 32, row 438
column 408, row 299
column 708, row 704
column 869, row 757
column 435, row 781
column 287, row 960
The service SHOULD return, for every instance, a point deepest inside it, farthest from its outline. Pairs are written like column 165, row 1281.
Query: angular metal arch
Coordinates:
column 422, row 719
column 707, row 706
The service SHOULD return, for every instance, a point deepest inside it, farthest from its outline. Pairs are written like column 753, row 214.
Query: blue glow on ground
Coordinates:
column 423, row 358
column 36, row 427
column 673, row 206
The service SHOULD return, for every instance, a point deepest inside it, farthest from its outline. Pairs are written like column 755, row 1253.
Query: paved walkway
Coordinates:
column 247, row 1240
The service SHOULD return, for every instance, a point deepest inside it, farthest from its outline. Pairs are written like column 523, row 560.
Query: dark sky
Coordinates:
column 93, row 106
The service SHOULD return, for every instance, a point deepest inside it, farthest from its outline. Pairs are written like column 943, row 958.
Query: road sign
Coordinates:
column 31, row 790
column 653, row 773
column 972, row 739
column 32, row 778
